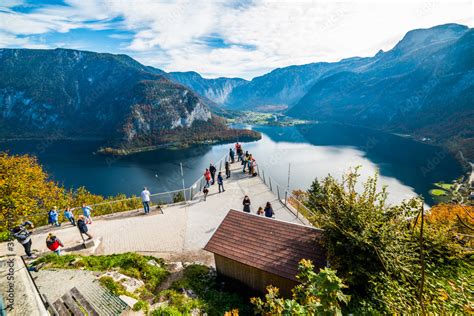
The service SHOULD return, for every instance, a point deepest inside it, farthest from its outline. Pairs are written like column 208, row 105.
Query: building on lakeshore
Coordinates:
column 259, row 251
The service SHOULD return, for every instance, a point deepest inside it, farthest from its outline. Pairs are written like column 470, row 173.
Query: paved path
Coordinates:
column 180, row 232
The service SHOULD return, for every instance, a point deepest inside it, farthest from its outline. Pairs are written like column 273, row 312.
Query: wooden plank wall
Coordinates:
column 254, row 278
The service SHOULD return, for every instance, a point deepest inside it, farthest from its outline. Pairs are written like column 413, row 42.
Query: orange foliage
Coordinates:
column 452, row 215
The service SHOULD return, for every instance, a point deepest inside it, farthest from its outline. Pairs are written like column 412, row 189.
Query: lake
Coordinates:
column 406, row 166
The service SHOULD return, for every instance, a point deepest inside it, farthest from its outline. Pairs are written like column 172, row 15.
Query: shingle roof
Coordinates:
column 267, row 244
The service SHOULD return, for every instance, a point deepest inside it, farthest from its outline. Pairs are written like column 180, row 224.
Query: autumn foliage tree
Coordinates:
column 375, row 247
column 25, row 189
column 27, row 193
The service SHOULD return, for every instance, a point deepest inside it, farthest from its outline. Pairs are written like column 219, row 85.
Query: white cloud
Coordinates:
column 258, row 36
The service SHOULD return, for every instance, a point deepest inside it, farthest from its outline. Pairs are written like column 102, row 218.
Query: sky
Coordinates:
column 223, row 38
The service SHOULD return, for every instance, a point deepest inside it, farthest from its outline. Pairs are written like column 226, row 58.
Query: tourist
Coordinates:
column 269, row 210
column 53, row 217
column 253, row 167
column 249, row 163
column 207, row 177
column 213, row 170
column 232, row 155
column 69, row 215
column 145, row 200
column 238, row 149
column 220, row 182
column 23, row 236
column 260, row 211
column 205, row 191
column 82, row 226
column 53, row 243
column 227, row 170
column 246, row 204
column 244, row 163
column 86, row 211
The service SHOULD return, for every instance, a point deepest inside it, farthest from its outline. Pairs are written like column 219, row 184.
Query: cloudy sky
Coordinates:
column 223, row 38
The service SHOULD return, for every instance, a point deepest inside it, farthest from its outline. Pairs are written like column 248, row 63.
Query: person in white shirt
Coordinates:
column 145, row 195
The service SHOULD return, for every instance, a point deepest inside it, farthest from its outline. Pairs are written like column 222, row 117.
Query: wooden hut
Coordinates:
column 259, row 251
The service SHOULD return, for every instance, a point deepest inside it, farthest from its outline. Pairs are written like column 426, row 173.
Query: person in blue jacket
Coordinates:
column 220, row 182
column 269, row 210
column 54, row 217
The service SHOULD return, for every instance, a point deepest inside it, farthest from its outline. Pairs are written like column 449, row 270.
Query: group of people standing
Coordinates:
column 210, row 177
column 267, row 211
column 249, row 164
column 247, row 160
column 22, row 234
column 53, row 215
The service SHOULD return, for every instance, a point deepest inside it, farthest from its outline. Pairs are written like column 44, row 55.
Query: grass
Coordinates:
column 131, row 264
column 114, row 287
column 210, row 298
column 201, row 280
column 438, row 192
column 444, row 186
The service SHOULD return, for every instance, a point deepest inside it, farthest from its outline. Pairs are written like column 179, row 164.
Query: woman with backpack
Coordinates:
column 23, row 236
column 53, row 243
column 82, row 226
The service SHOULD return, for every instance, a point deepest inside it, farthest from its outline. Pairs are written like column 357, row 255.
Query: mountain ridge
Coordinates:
column 69, row 93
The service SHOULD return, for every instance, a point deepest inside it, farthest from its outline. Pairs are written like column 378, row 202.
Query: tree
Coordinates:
column 25, row 189
column 316, row 195
column 376, row 249
column 318, row 294
column 27, row 193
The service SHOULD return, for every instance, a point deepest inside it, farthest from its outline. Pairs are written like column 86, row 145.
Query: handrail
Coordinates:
column 155, row 195
column 288, row 196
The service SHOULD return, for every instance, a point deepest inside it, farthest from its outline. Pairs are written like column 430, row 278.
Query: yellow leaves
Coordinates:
column 234, row 312
column 25, row 189
column 443, row 295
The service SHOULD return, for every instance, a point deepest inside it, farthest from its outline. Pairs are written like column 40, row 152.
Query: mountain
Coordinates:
column 64, row 93
column 424, row 86
column 216, row 90
column 284, row 86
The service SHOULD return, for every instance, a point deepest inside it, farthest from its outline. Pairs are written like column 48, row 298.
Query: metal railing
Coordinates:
column 286, row 197
column 156, row 199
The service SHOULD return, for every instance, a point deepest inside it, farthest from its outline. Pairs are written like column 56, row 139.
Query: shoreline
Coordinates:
column 126, row 151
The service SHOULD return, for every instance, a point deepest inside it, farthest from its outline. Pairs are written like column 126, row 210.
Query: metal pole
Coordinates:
column 422, row 260
column 288, row 185
column 182, row 178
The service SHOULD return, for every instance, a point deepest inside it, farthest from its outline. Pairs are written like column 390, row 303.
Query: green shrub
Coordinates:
column 166, row 311
column 178, row 197
column 375, row 247
column 318, row 294
column 202, row 281
column 131, row 264
column 183, row 303
column 141, row 306
column 114, row 287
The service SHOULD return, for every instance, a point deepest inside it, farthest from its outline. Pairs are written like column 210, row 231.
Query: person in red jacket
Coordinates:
column 207, row 177
column 53, row 243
